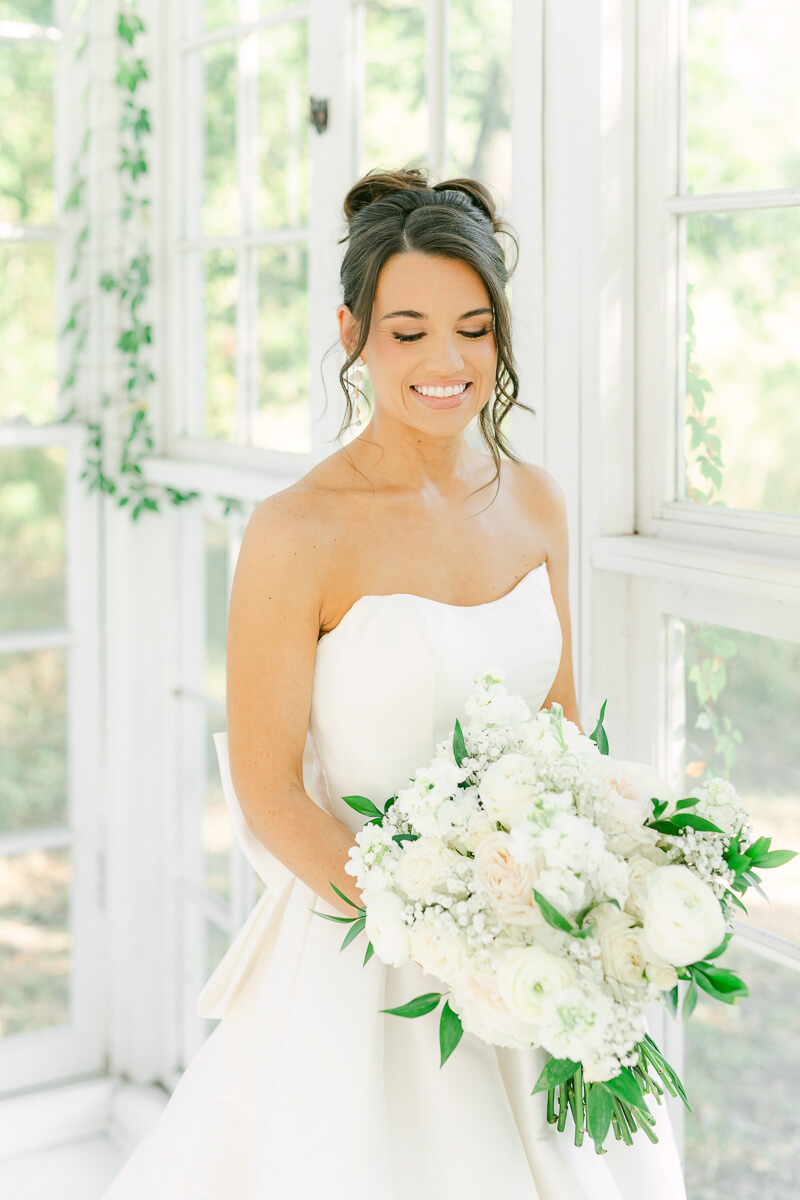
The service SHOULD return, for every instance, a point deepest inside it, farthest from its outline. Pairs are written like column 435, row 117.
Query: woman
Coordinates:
column 365, row 597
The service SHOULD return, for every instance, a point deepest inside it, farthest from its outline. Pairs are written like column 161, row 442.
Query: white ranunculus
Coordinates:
column 437, row 951
column 682, row 918
column 386, row 928
column 640, row 868
column 423, row 862
column 479, row 1003
column 503, row 791
column 575, row 1021
column 527, row 975
column 478, row 826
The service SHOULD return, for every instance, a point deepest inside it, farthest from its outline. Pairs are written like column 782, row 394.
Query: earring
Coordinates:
column 356, row 376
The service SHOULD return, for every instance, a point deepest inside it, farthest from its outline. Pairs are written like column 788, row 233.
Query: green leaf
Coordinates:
column 689, row 1001
column 404, row 837
column 599, row 1107
column 774, row 858
column 731, row 897
column 459, row 745
column 554, row 1072
column 672, row 999
column 687, row 802
column 416, row 1007
column 450, row 1031
column 368, row 955
column 362, row 805
column 626, row 1086
column 720, row 948
column 353, row 931
column 724, row 980
column 551, row 914
column 658, row 806
column 759, row 846
column 695, row 822
column 598, row 734
column 340, row 893
column 706, row 984
column 328, row 917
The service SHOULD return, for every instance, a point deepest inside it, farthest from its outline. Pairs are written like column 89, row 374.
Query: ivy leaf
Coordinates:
column 450, row 1031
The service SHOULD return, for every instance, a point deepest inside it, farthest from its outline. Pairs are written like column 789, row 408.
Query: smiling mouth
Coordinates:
column 451, row 395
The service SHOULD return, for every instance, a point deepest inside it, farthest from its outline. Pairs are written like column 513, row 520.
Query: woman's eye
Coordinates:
column 413, row 337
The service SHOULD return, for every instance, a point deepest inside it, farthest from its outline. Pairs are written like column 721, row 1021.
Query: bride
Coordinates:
column 365, row 597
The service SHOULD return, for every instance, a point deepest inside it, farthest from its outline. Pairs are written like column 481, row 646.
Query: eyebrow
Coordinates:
column 410, row 312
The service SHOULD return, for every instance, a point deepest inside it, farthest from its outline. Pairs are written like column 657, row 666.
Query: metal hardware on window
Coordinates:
column 319, row 115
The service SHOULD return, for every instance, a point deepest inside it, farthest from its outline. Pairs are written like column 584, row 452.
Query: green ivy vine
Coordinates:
column 126, row 481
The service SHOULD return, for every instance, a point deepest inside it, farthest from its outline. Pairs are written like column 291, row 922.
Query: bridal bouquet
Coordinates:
column 558, row 893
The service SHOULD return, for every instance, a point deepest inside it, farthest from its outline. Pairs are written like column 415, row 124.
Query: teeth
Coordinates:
column 438, row 391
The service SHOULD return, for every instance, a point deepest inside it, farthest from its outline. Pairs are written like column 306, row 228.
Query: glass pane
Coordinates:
column 38, row 12
column 742, row 420
column 221, row 288
column 216, row 825
column 33, row 739
column 740, row 1072
column 27, row 193
column 216, row 607
column 394, row 106
column 35, row 941
column 741, row 707
column 32, row 538
column 27, row 331
column 479, row 101
column 743, row 129
column 282, row 406
column 267, row 8
column 218, row 186
column 283, row 129
column 219, row 12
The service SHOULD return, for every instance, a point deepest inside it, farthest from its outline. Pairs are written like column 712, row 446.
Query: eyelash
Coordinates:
column 412, row 337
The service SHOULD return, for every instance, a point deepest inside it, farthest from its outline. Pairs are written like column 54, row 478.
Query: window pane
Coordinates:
column 742, row 420
column 219, row 12
column 743, row 129
column 216, row 825
column 737, row 716
column 220, row 291
column 35, row 941
column 27, row 193
column 27, row 331
column 32, row 538
column 38, row 12
column 218, row 186
column 479, row 100
column 741, row 1065
column 394, row 106
column 33, row 739
column 283, row 128
column 282, row 412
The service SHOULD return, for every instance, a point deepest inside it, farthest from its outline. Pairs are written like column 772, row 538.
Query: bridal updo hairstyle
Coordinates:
column 398, row 212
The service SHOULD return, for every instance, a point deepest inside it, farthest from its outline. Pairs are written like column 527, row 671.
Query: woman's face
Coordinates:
column 452, row 343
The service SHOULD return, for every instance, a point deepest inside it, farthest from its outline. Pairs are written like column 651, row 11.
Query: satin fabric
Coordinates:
column 304, row 1088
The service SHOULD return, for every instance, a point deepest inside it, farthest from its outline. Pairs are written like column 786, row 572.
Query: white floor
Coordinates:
column 78, row 1171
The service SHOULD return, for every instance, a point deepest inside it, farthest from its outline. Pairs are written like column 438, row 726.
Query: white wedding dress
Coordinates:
column 305, row 1090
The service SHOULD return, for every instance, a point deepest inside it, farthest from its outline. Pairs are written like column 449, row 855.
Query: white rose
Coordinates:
column 527, row 976
column 627, row 789
column 682, row 918
column 386, row 929
column 640, row 868
column 479, row 1003
column 437, row 951
column 662, row 975
column 423, row 862
column 502, row 790
column 620, row 943
column 508, row 881
column 575, row 1021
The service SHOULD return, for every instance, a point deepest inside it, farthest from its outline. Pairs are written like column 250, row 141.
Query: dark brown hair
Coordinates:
column 398, row 212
